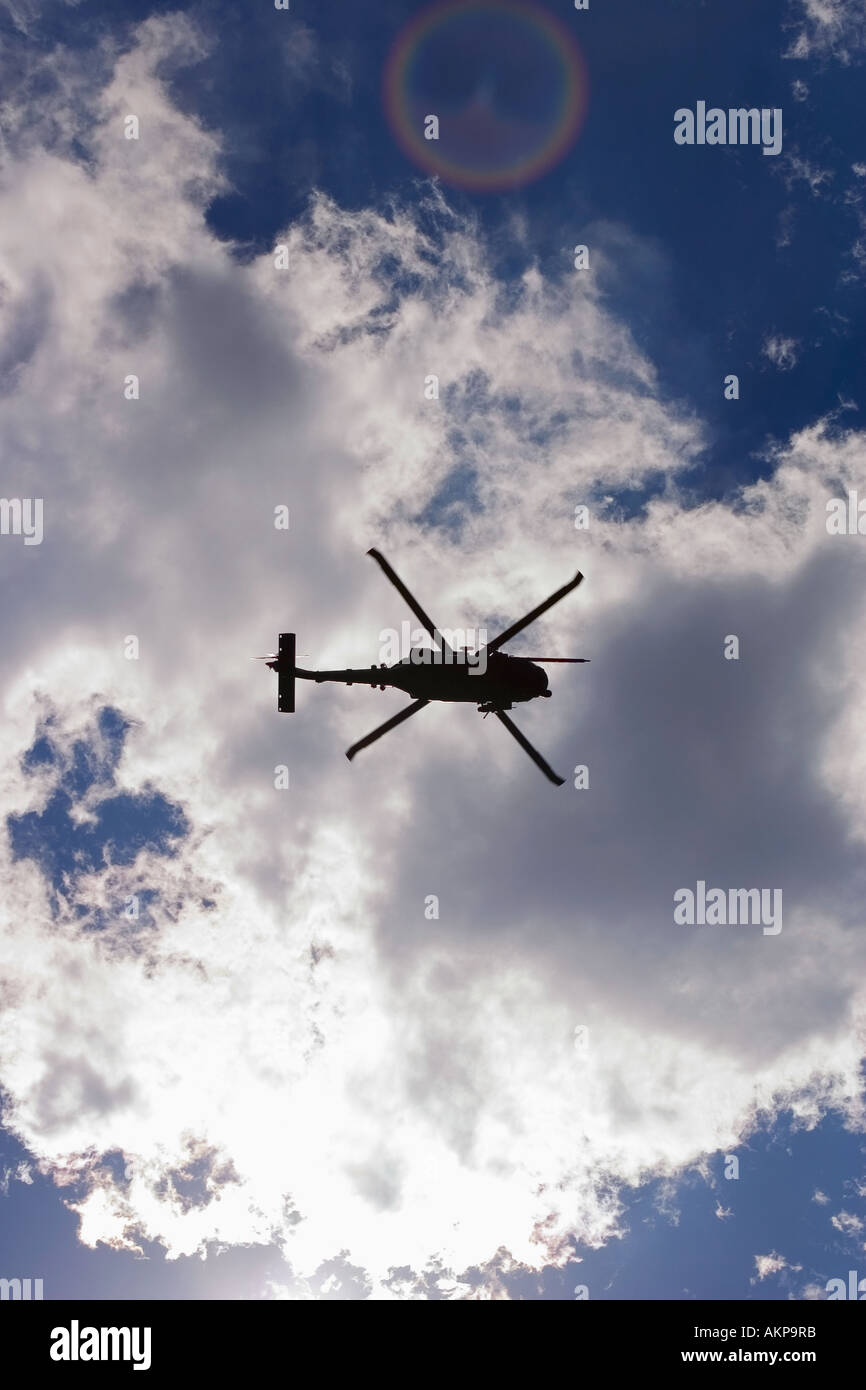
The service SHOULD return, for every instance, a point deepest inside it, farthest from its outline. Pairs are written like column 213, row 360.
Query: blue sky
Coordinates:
column 277, row 1077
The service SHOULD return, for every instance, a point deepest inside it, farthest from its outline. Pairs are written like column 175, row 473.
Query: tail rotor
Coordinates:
column 283, row 662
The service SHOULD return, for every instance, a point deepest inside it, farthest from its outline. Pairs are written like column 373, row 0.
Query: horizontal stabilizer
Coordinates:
column 286, row 673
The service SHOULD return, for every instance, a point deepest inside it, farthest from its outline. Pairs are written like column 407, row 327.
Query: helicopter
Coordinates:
column 490, row 679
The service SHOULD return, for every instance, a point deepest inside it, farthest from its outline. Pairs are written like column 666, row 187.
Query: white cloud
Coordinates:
column 767, row 1266
column 797, row 169
column 813, row 1292
column 827, row 29
column 781, row 351
column 22, row 1172
column 849, row 1224
column 349, row 1076
column 22, row 13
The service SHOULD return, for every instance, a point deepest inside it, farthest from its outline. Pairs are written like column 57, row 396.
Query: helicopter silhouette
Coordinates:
column 490, row 678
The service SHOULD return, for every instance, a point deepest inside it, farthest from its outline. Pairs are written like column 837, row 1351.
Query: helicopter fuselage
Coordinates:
column 498, row 682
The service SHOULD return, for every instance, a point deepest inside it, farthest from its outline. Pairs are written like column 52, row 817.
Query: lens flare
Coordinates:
column 505, row 80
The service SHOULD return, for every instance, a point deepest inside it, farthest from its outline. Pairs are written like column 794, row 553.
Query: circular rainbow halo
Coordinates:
column 506, row 82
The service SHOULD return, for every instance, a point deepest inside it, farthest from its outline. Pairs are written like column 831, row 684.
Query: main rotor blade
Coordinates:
column 384, row 728
column 530, row 617
column 533, row 752
column 561, row 660
column 410, row 598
